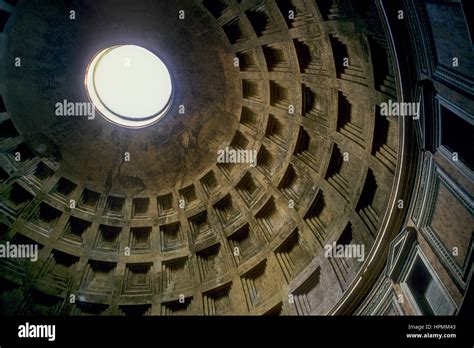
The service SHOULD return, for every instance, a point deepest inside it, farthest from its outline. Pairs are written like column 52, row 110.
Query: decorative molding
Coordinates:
column 445, row 151
column 424, row 182
column 417, row 252
column 439, row 176
column 399, row 249
column 382, row 298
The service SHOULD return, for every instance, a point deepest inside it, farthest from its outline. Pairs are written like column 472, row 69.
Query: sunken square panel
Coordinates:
column 250, row 117
column 318, row 217
column 226, row 210
column 209, row 183
column 308, row 149
column 218, row 301
column 138, row 279
column 75, row 230
column 347, row 60
column 43, row 304
column 183, row 307
column 260, row 20
column 349, row 123
column 292, row 256
column 270, row 219
column 64, row 187
column 277, row 130
column 251, row 89
column 307, row 296
column 235, row 31
column 239, row 142
column 83, row 308
column 244, row 244
column 371, row 203
column 18, row 196
column 46, row 215
column 188, row 196
column 340, row 171
column 215, row 7
column 21, row 154
column 114, row 206
column 42, row 172
column 176, row 275
column 165, row 204
column 200, row 227
column 266, row 161
column 276, row 58
column 345, row 267
column 295, row 12
column 108, row 238
column 257, row 285
column 138, row 310
column 98, row 277
column 279, row 95
column 140, row 239
column 171, row 237
column 89, row 200
column 58, row 270
column 140, row 207
column 309, row 55
column 247, row 60
column 291, row 185
column 250, row 189
column 385, row 142
column 226, row 169
column 314, row 105
column 211, row 262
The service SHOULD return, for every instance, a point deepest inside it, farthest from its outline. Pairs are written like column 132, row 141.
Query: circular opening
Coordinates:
column 129, row 85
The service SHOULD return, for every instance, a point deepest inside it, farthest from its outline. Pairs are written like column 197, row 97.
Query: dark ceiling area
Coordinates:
column 181, row 147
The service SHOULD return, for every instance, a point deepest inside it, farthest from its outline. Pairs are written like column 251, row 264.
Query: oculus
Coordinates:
column 129, row 85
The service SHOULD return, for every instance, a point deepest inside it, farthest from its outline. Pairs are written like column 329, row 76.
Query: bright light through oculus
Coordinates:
column 129, row 85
